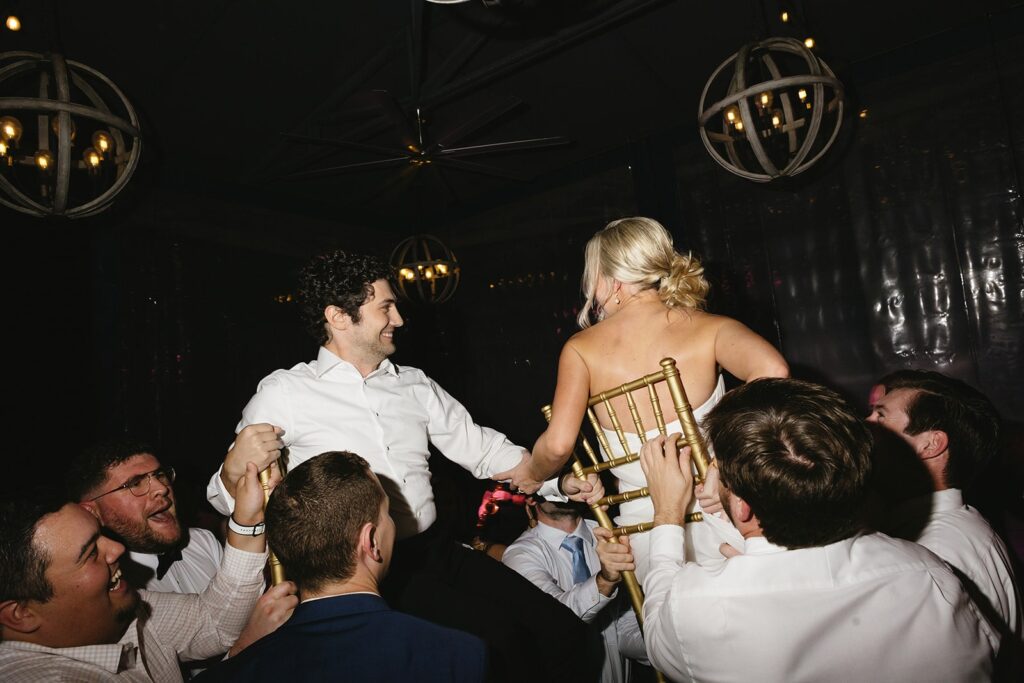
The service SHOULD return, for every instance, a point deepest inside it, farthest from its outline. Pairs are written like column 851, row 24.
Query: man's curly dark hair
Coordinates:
column 341, row 279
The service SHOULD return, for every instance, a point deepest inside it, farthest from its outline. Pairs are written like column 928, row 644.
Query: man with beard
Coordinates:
column 562, row 557
column 66, row 613
column 124, row 484
column 813, row 597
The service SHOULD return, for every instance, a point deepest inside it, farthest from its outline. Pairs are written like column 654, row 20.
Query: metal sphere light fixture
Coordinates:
column 69, row 138
column 775, row 110
column 425, row 269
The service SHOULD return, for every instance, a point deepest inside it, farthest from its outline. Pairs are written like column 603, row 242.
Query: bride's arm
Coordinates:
column 555, row 445
column 746, row 355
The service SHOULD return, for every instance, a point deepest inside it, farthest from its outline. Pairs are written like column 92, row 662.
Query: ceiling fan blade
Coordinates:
column 394, row 114
column 510, row 146
column 346, row 168
column 345, row 144
column 416, row 43
column 484, row 169
column 476, row 122
column 394, row 185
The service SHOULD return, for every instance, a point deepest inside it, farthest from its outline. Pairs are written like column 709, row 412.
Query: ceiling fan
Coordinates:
column 416, row 148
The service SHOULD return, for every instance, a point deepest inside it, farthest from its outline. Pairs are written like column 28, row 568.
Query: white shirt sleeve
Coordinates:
column 583, row 599
column 667, row 557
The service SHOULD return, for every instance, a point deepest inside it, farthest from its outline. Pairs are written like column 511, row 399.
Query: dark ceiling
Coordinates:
column 218, row 83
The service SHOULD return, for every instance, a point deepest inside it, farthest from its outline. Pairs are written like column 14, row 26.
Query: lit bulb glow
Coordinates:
column 407, row 274
column 739, row 126
column 3, row 148
column 802, row 94
column 777, row 118
column 809, row 43
column 785, row 17
column 92, row 158
column 44, row 160
column 765, row 99
column 863, row 113
column 10, row 128
column 441, row 269
column 13, row 23
column 428, row 273
column 102, row 141
column 732, row 114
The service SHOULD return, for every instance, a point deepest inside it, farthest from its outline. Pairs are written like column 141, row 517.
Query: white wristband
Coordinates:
column 246, row 530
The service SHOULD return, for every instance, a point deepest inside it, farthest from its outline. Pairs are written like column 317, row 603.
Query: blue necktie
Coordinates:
column 580, row 571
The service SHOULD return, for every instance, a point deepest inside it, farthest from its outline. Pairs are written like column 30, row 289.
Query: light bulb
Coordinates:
column 13, row 23
column 428, row 273
column 739, row 126
column 863, row 113
column 102, row 141
column 55, row 127
column 44, row 160
column 441, row 269
column 765, row 99
column 777, row 118
column 809, row 42
column 3, row 148
column 10, row 129
column 802, row 94
column 92, row 158
column 407, row 274
column 732, row 114
column 785, row 17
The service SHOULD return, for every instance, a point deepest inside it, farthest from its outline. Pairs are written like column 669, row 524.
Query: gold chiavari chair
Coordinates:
column 692, row 437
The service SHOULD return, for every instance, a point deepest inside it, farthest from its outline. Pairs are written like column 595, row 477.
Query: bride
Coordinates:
column 648, row 301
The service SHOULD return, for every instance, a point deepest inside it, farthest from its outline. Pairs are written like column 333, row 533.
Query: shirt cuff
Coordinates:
column 549, row 491
column 242, row 563
column 668, row 544
column 222, row 501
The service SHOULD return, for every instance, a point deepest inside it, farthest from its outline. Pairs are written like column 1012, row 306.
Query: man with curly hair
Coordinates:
column 353, row 398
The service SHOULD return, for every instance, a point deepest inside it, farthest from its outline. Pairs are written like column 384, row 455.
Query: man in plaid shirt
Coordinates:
column 65, row 613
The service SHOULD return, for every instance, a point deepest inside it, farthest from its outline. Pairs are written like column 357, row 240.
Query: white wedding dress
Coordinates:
column 702, row 538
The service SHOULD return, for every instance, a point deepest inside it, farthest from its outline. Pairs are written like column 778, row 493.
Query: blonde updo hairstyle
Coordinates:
column 639, row 251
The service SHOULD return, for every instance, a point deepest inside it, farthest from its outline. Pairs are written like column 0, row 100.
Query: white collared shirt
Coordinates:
column 199, row 562
column 388, row 418
column 959, row 534
column 868, row 608
column 538, row 556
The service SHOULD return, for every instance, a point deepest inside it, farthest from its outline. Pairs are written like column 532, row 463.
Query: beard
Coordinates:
column 138, row 536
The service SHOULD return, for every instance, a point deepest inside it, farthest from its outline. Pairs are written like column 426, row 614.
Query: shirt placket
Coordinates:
column 372, row 400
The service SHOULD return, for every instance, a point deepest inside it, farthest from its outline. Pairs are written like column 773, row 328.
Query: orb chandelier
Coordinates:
column 426, row 270
column 69, row 138
column 776, row 110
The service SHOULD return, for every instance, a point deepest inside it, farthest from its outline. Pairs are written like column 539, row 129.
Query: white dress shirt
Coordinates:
column 189, row 627
column 868, row 608
column 538, row 556
column 959, row 534
column 388, row 418
column 199, row 562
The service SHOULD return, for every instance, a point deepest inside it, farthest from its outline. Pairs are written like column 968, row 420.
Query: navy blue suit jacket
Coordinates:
column 356, row 637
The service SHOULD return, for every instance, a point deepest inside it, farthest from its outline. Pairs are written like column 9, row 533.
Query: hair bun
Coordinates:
column 684, row 284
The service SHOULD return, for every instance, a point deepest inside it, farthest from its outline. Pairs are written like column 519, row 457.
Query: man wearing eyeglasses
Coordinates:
column 131, row 493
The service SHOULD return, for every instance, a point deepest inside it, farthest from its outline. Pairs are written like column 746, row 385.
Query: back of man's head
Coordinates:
column 798, row 455
column 315, row 516
column 341, row 279
column 968, row 418
column 22, row 564
column 90, row 468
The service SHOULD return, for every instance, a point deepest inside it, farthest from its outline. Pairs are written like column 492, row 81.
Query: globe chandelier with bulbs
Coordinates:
column 426, row 270
column 69, row 138
column 772, row 109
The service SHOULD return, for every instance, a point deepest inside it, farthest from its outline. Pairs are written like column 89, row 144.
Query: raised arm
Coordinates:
column 554, row 446
column 745, row 354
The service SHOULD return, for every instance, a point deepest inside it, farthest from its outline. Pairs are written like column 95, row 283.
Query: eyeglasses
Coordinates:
column 139, row 485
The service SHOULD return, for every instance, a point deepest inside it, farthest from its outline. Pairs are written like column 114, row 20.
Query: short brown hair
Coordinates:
column 798, row 455
column 314, row 517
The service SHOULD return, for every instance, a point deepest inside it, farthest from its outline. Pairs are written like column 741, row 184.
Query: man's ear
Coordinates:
column 91, row 506
column 337, row 318
column 368, row 542
column 19, row 616
column 740, row 509
column 936, row 444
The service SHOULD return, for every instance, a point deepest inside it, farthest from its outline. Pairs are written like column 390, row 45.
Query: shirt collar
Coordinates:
column 327, row 361
column 150, row 560
column 947, row 499
column 554, row 537
column 112, row 657
column 759, row 545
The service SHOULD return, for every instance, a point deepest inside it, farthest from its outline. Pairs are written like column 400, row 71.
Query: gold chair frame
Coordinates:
column 691, row 436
